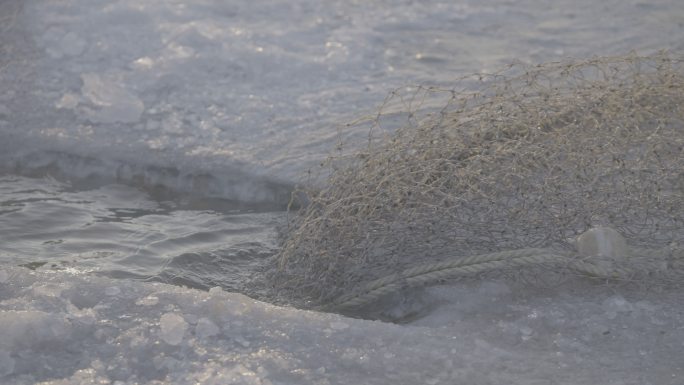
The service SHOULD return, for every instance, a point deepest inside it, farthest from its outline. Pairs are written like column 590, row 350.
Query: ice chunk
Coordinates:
column 206, row 328
column 173, row 328
column 216, row 290
column 3, row 276
column 28, row 329
column 113, row 103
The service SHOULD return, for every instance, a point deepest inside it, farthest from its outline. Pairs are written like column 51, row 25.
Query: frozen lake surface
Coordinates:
column 147, row 153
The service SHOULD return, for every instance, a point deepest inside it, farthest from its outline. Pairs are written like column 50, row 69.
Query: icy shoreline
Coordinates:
column 60, row 328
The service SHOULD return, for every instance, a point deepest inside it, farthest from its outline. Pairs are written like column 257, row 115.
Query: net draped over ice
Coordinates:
column 535, row 158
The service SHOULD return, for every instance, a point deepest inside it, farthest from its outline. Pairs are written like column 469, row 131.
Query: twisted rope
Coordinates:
column 431, row 274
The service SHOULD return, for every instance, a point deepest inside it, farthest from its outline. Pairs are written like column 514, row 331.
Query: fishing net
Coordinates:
column 501, row 179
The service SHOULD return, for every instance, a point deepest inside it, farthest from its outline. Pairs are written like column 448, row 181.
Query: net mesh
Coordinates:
column 532, row 158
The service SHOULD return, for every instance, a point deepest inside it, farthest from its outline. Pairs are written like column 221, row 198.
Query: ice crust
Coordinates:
column 57, row 328
column 246, row 90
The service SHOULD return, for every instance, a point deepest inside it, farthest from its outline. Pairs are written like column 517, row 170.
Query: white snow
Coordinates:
column 254, row 89
column 482, row 333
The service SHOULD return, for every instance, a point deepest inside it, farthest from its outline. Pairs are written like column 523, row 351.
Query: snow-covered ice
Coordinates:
column 244, row 90
column 483, row 333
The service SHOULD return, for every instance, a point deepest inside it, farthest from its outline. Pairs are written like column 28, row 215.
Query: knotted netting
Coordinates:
column 502, row 179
